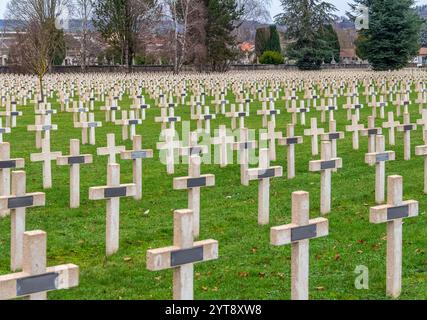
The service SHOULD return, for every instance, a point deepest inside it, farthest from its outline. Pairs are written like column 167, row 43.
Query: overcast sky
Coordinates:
column 275, row 7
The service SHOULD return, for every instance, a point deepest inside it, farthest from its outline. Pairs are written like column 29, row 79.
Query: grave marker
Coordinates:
column 378, row 158
column 137, row 154
column 17, row 202
column 74, row 160
column 46, row 156
column 111, row 149
column 290, row 141
column 182, row 255
column 298, row 234
column 263, row 174
column 36, row 279
column 393, row 214
column 112, row 192
column 325, row 165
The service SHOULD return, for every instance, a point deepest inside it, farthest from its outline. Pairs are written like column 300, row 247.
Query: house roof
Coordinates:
column 423, row 52
column 348, row 53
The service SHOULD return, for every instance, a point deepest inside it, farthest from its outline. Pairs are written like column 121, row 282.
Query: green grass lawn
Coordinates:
column 248, row 266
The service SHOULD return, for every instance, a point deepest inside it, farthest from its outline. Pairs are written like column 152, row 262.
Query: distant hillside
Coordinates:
column 422, row 11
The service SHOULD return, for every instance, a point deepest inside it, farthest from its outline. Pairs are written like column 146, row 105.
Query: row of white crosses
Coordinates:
column 114, row 190
column 185, row 252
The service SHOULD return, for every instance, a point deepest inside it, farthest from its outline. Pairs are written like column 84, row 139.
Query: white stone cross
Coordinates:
column 378, row 158
column 3, row 130
column 355, row 127
column 325, row 165
column 193, row 182
column 6, row 163
column 111, row 149
column 314, row 132
column 391, row 125
column 241, row 114
column 182, row 255
column 17, row 202
column 137, row 154
column 393, row 214
column 371, row 132
column 406, row 128
column 36, row 279
column 91, row 125
column 169, row 146
column 290, row 141
column 42, row 125
column 242, row 147
column 263, row 174
column 74, row 160
column 112, row 192
column 333, row 136
column 46, row 156
column 423, row 120
column 422, row 151
column 298, row 234
column 271, row 136
column 224, row 142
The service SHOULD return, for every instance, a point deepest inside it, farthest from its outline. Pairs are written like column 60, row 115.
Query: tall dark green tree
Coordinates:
column 306, row 21
column 331, row 44
column 262, row 38
column 273, row 43
column 222, row 16
column 393, row 36
column 120, row 21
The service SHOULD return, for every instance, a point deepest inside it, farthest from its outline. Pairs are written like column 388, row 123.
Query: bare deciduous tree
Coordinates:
column 38, row 40
column 84, row 10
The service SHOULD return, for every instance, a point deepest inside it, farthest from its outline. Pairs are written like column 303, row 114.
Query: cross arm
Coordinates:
column 310, row 132
column 22, row 284
column 197, row 150
column 406, row 127
column 4, row 130
column 371, row 131
column 136, row 154
column 183, row 183
column 267, row 136
column 34, row 157
column 244, row 145
column 284, row 141
column 70, row 160
column 290, row 233
column 319, row 165
column 106, row 192
column 421, row 150
column 40, row 127
column 166, row 145
column 384, row 213
column 85, row 125
column 373, row 158
column 332, row 136
column 12, row 163
column 106, row 150
column 352, row 128
column 258, row 174
column 393, row 124
column 36, row 199
column 171, row 257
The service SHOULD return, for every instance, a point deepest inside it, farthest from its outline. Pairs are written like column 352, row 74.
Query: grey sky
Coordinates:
column 275, row 7
column 342, row 6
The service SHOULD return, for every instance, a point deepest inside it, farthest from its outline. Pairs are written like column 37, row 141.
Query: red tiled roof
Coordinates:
column 423, row 52
column 348, row 53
